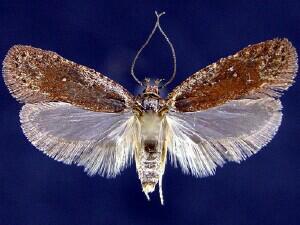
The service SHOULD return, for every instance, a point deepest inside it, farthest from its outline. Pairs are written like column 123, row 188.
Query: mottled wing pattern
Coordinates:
column 101, row 142
column 35, row 75
column 229, row 110
column 264, row 69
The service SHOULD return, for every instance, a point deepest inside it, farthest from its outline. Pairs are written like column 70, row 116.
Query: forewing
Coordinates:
column 35, row 75
column 101, row 142
column 264, row 69
column 201, row 141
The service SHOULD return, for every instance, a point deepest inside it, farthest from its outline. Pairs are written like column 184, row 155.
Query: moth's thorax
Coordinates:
column 150, row 98
column 149, row 101
column 150, row 104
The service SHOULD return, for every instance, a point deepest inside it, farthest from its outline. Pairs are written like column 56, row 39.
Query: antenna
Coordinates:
column 157, row 25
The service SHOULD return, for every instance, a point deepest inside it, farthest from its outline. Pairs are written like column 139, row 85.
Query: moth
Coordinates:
column 225, row 112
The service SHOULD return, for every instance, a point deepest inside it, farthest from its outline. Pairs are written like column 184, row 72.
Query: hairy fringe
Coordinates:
column 274, row 88
column 13, row 81
column 201, row 159
column 107, row 156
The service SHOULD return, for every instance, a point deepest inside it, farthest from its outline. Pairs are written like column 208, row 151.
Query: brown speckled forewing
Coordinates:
column 262, row 69
column 35, row 75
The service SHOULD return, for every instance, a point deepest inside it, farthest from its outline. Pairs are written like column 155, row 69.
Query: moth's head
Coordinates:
column 151, row 87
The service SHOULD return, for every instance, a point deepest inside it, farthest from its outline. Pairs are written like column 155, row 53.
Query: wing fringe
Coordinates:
column 284, row 79
column 11, row 79
column 202, row 158
column 106, row 157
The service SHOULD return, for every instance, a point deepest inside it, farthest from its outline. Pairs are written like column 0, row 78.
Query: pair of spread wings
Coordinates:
column 224, row 112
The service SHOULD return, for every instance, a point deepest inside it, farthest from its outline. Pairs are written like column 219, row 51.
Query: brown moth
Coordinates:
column 224, row 112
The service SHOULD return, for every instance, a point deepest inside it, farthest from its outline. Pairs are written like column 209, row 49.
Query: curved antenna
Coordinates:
column 172, row 49
column 157, row 25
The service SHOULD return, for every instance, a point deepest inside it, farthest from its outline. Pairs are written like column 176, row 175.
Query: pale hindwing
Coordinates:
column 201, row 141
column 101, row 142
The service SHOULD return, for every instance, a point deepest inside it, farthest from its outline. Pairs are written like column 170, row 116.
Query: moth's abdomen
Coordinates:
column 149, row 170
column 151, row 154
